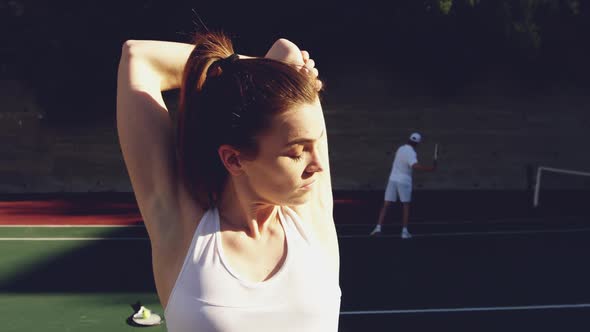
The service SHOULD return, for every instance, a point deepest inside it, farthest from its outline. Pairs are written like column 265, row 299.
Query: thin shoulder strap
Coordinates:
column 293, row 218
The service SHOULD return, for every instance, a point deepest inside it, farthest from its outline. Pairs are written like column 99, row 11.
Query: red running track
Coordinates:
column 80, row 210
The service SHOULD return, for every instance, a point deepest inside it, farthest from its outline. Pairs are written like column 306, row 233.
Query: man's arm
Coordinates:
column 424, row 168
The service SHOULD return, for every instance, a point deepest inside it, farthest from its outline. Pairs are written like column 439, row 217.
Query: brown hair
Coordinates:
column 225, row 100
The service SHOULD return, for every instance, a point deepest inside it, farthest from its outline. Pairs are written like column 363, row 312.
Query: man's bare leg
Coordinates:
column 405, row 214
column 382, row 214
column 405, row 220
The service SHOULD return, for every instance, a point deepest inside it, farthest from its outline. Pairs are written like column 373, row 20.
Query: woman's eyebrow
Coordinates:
column 302, row 140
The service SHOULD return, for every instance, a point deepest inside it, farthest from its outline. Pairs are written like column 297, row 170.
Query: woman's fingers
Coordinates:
column 305, row 55
column 315, row 72
column 318, row 85
column 309, row 68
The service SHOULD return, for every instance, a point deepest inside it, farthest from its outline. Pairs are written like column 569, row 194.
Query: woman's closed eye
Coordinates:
column 297, row 158
column 296, row 153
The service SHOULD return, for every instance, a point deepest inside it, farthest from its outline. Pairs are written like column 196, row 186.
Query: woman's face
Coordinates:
column 289, row 157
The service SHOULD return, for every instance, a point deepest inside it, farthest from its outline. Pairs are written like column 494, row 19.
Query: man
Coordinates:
column 400, row 182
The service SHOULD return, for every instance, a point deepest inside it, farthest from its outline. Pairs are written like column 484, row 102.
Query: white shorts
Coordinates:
column 395, row 189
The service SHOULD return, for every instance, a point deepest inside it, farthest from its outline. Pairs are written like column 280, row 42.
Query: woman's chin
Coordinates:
column 301, row 198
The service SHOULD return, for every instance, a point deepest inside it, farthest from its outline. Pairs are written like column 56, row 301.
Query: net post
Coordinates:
column 537, row 187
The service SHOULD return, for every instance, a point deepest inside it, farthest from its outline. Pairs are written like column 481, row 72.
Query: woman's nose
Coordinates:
column 315, row 164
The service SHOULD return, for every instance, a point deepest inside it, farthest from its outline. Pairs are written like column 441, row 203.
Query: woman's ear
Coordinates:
column 230, row 157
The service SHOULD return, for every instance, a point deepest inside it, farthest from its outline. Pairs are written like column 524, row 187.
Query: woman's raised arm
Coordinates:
column 145, row 129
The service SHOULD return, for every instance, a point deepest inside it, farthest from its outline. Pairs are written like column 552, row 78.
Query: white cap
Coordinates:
column 416, row 137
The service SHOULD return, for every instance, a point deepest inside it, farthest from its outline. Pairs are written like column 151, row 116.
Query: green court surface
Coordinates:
column 68, row 232
column 74, row 278
column 72, row 312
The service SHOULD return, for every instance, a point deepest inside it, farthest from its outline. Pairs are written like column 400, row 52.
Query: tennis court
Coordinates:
column 81, row 262
column 496, row 90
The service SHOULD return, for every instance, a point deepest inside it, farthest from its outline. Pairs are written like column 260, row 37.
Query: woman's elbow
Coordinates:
column 128, row 47
column 132, row 48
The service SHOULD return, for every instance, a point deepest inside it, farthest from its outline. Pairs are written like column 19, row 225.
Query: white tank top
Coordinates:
column 304, row 295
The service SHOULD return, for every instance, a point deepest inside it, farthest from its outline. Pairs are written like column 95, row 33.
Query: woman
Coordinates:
column 239, row 208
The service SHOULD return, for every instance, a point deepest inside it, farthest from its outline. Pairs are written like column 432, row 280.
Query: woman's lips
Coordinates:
column 308, row 185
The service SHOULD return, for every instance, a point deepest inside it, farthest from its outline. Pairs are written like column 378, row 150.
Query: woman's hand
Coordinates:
column 309, row 68
column 286, row 51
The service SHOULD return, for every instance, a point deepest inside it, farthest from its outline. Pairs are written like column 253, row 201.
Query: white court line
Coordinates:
column 475, row 222
column 73, row 238
column 573, row 230
column 359, row 236
column 468, row 309
column 416, row 223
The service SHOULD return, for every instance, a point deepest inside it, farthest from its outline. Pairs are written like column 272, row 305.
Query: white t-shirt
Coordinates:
column 401, row 170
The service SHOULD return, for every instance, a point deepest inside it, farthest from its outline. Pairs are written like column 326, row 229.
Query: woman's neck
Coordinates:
column 240, row 211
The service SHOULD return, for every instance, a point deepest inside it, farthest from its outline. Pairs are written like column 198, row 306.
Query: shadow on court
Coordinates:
column 360, row 207
column 421, row 281
column 80, row 266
